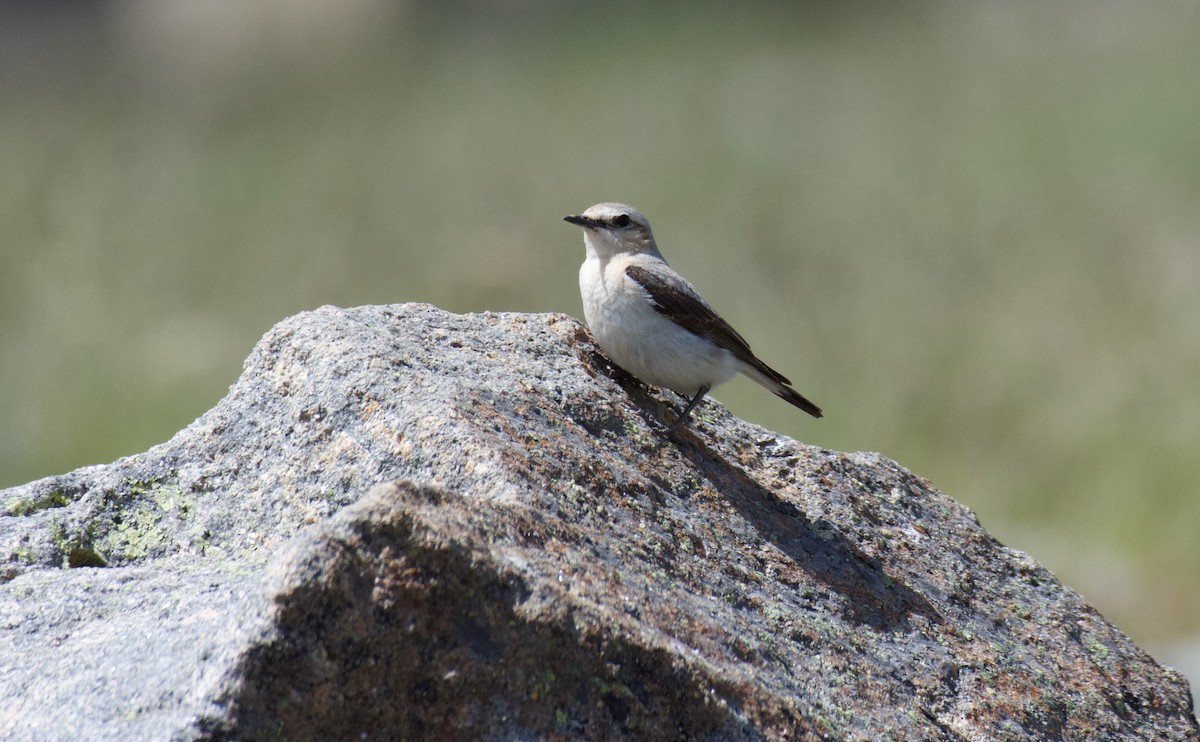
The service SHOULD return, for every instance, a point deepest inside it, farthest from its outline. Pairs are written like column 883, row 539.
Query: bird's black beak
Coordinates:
column 581, row 221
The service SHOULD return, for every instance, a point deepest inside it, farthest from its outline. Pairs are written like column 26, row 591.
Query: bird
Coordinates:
column 651, row 321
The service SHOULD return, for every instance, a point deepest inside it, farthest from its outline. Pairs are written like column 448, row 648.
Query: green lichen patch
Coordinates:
column 152, row 518
column 54, row 498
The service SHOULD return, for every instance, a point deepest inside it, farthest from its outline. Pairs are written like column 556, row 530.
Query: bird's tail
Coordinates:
column 777, row 383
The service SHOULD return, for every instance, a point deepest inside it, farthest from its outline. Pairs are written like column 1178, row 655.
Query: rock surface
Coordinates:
column 404, row 523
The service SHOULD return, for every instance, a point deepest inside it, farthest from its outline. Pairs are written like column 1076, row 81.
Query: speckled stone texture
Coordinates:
column 405, row 523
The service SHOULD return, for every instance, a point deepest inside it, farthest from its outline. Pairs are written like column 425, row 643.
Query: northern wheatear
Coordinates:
column 651, row 322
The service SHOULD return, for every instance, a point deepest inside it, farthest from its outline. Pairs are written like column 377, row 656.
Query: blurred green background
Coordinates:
column 969, row 231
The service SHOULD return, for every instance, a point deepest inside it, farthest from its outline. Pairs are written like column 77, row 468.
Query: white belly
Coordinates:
column 641, row 340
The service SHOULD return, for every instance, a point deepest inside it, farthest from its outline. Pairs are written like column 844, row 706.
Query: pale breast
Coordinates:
column 643, row 341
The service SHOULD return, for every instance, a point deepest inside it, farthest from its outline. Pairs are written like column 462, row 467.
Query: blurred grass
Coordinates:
column 968, row 231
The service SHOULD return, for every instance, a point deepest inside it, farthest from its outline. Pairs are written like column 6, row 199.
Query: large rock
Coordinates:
column 404, row 523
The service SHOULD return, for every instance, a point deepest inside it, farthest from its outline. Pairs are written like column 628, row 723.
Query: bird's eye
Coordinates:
column 621, row 220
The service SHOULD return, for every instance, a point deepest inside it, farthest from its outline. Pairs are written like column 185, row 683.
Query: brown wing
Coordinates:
column 680, row 303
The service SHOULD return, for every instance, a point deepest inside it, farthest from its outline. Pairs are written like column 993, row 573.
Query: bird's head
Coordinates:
column 612, row 228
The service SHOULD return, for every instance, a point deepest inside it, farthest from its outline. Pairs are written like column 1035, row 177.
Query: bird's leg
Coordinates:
column 690, row 406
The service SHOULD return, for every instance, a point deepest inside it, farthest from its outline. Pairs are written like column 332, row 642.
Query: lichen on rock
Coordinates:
column 402, row 522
